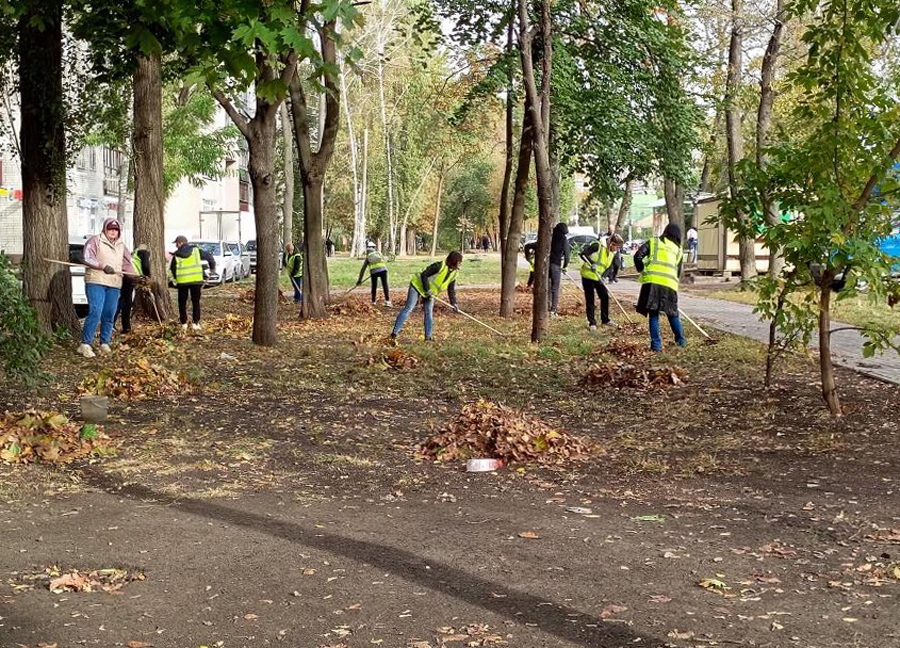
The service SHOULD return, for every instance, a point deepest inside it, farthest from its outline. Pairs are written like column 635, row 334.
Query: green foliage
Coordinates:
column 467, row 202
column 824, row 175
column 192, row 150
column 22, row 341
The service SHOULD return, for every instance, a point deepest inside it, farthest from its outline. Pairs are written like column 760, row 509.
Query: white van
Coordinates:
column 79, row 294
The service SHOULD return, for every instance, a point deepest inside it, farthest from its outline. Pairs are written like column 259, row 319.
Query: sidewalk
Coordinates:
column 846, row 346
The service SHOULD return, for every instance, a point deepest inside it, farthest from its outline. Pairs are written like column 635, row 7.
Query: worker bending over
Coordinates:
column 659, row 262
column 439, row 276
column 597, row 258
column 377, row 267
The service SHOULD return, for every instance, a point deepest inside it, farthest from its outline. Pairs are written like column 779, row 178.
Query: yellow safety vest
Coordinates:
column 376, row 262
column 661, row 265
column 295, row 265
column 602, row 258
column 437, row 283
column 136, row 262
column 189, row 270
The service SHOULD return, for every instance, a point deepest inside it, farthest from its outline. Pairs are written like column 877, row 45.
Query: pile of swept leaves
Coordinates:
column 249, row 296
column 632, row 328
column 35, row 436
column 353, row 307
column 135, row 380
column 629, row 376
column 150, row 340
column 487, row 430
column 229, row 326
column 626, row 349
column 396, row 359
column 98, row 580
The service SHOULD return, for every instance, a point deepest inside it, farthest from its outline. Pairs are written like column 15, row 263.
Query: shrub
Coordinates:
column 22, row 341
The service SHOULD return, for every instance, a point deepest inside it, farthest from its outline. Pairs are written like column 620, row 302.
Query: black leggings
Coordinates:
column 195, row 291
column 590, row 287
column 384, row 285
column 126, row 301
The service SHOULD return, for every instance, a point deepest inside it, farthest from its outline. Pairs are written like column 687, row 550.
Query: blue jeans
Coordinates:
column 297, row 282
column 656, row 335
column 102, row 302
column 412, row 296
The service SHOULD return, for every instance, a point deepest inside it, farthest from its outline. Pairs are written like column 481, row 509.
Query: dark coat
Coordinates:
column 654, row 297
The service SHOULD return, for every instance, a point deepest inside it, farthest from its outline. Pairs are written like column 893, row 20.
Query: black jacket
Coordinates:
column 559, row 249
column 184, row 252
column 433, row 269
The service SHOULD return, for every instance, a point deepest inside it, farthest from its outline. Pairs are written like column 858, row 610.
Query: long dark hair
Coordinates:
column 673, row 233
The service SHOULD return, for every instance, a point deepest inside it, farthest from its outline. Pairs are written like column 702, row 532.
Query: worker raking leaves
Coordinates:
column 293, row 263
column 659, row 262
column 187, row 269
column 376, row 264
column 597, row 258
column 439, row 276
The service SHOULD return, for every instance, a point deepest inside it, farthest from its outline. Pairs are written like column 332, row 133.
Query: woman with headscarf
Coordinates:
column 659, row 260
column 106, row 258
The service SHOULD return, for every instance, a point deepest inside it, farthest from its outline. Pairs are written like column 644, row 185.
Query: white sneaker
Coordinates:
column 388, row 304
column 104, row 349
column 196, row 326
column 184, row 327
column 593, row 327
column 85, row 350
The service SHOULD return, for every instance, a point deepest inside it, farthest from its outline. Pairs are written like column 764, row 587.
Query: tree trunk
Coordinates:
column 364, row 190
column 392, row 219
column 315, row 281
column 122, row 192
column 404, row 226
column 625, row 205
column 674, row 203
column 261, row 169
column 149, row 195
column 510, row 256
column 764, row 122
column 358, row 245
column 826, row 368
column 508, row 163
column 437, row 212
column 746, row 243
column 43, row 148
column 287, row 207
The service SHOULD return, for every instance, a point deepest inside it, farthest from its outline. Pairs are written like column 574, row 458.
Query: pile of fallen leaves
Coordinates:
column 629, row 376
column 135, row 380
column 626, row 349
column 396, row 358
column 473, row 635
column 149, row 341
column 229, row 326
column 249, row 296
column 49, row 437
column 97, row 580
column 487, row 430
column 354, row 307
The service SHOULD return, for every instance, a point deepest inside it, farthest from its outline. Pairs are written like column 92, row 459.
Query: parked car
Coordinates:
column 227, row 264
column 577, row 242
column 243, row 260
column 891, row 246
column 250, row 252
column 79, row 294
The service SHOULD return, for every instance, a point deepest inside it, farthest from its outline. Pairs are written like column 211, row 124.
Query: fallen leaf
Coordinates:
column 612, row 609
column 529, row 535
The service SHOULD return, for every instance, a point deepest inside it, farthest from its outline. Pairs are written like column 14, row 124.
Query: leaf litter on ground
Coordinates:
column 137, row 379
column 95, row 580
column 630, row 376
column 49, row 437
column 487, row 430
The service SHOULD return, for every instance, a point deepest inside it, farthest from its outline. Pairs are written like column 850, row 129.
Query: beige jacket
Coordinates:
column 100, row 252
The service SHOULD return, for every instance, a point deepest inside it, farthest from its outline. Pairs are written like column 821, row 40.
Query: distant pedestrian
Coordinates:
column 329, row 246
column 693, row 240
column 293, row 264
column 378, row 270
column 187, row 269
column 106, row 258
column 439, row 276
column 659, row 261
column 485, row 242
column 597, row 258
column 140, row 260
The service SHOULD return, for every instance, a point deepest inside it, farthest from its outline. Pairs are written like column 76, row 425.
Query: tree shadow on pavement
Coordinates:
column 565, row 623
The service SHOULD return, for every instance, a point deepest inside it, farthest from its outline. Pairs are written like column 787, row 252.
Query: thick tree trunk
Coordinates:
column 826, row 367
column 437, row 212
column 43, row 149
column 287, row 207
column 315, row 278
column 510, row 134
column 746, row 243
column 764, row 123
column 261, row 169
column 510, row 256
column 674, row 194
column 625, row 205
column 149, row 195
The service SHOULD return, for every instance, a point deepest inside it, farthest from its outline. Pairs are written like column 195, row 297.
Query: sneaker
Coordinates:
column 184, row 327
column 593, row 327
column 553, row 314
column 374, row 303
column 196, row 326
column 104, row 349
column 610, row 324
column 388, row 304
column 85, row 350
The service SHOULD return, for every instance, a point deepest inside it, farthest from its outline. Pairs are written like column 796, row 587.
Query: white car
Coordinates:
column 79, row 294
column 243, row 260
column 228, row 266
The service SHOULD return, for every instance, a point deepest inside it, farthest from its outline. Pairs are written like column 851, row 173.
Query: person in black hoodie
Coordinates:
column 559, row 263
column 187, row 271
column 141, row 262
column 659, row 261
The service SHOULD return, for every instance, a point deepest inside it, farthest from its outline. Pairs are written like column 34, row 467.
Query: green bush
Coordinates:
column 22, row 341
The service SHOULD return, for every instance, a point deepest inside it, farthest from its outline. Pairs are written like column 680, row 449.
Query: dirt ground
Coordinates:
column 278, row 499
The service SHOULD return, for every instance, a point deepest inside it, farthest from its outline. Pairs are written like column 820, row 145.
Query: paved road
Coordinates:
column 739, row 318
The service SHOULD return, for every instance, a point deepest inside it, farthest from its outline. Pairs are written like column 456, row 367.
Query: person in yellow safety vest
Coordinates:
column 659, row 261
column 597, row 258
column 528, row 251
column 187, row 271
column 141, row 262
column 439, row 276
column 294, row 265
column 377, row 267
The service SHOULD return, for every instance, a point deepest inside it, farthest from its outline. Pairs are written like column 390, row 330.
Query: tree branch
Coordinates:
column 229, row 108
column 332, row 100
column 873, row 180
column 301, row 124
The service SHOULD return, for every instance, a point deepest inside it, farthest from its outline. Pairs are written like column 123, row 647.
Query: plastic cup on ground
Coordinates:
column 483, row 465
